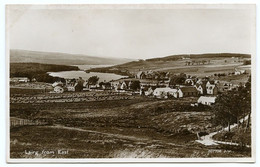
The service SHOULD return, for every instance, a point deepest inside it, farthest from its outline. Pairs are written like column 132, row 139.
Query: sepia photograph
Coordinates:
column 102, row 83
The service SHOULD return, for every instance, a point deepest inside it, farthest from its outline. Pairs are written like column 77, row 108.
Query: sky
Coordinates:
column 131, row 33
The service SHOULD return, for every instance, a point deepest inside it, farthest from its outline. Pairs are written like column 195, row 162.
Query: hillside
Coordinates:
column 199, row 64
column 197, row 56
column 38, row 71
column 24, row 56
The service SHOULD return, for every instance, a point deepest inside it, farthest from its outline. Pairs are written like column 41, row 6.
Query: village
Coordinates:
column 153, row 84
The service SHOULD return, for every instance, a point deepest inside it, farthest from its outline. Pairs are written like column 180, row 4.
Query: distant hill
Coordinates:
column 201, row 64
column 24, row 56
column 197, row 56
column 38, row 71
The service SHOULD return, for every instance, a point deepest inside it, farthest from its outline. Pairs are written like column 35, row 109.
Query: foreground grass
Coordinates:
column 240, row 136
column 136, row 128
column 84, row 144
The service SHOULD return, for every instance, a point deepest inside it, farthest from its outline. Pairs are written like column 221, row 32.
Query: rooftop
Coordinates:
column 207, row 98
column 188, row 89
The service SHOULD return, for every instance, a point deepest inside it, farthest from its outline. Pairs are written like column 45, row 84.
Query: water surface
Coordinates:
column 76, row 74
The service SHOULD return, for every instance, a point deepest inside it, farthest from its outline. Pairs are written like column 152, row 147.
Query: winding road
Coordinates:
column 208, row 141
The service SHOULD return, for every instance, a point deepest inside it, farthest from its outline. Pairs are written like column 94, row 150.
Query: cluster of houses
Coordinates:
column 207, row 92
column 204, row 88
column 150, row 74
column 239, row 72
column 200, row 88
column 78, row 85
column 70, row 85
column 123, row 85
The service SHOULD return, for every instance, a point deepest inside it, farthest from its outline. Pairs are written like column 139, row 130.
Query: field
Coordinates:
column 212, row 64
column 21, row 89
column 137, row 127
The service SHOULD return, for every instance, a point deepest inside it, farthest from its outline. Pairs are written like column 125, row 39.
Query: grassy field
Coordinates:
column 235, row 79
column 80, row 143
column 236, row 135
column 29, row 88
column 214, row 63
column 139, row 128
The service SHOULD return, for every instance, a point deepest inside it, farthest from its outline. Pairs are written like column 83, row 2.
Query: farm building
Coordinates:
column 126, row 84
column 239, row 72
column 211, row 88
column 58, row 89
column 19, row 79
column 114, row 84
column 122, row 83
column 149, row 91
column 207, row 100
column 152, row 75
column 201, row 88
column 148, row 83
column 140, row 75
column 226, row 86
column 164, row 92
column 71, row 88
column 57, row 84
column 187, row 91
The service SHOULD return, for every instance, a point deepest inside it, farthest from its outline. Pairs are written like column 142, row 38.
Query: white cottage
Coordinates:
column 19, row 79
column 58, row 89
column 211, row 88
column 164, row 92
column 57, row 84
column 207, row 100
column 149, row 92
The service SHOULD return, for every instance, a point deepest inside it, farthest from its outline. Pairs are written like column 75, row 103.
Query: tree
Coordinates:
column 247, row 62
column 63, row 80
column 93, row 80
column 101, row 84
column 233, row 105
column 79, row 86
column 135, row 85
column 246, row 93
column 223, row 111
column 178, row 79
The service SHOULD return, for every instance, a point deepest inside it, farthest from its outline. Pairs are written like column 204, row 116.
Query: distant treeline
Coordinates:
column 208, row 55
column 118, row 71
column 38, row 71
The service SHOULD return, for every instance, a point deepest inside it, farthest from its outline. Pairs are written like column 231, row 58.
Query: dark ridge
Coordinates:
column 206, row 55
